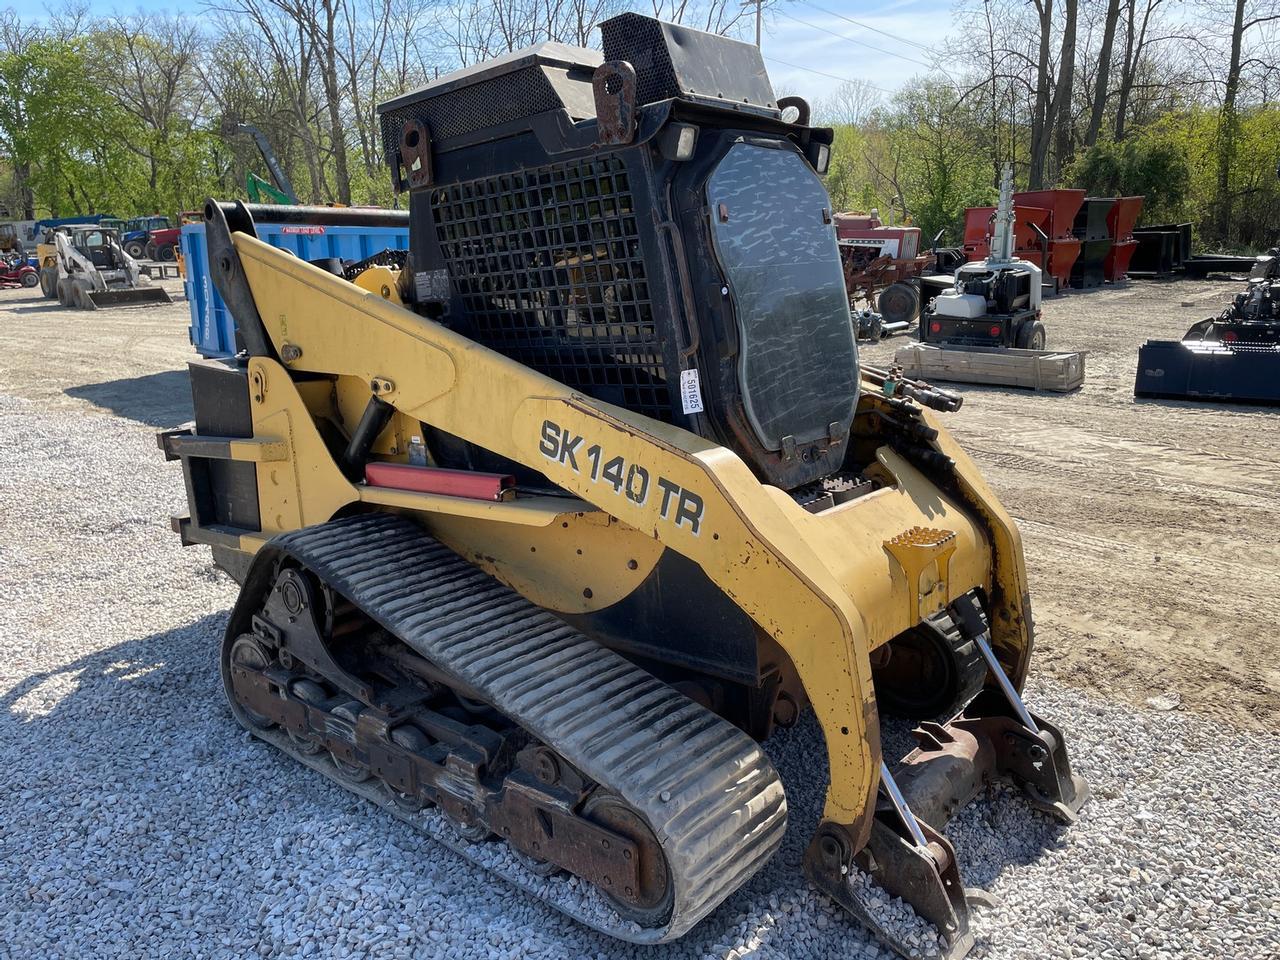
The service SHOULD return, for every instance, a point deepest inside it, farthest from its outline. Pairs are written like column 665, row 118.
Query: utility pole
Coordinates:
column 759, row 5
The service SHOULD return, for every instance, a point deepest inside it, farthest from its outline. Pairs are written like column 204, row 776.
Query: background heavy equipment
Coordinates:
column 10, row 240
column 1234, row 356
column 136, row 234
column 91, row 270
column 17, row 271
column 995, row 302
column 162, row 244
column 544, row 527
column 280, row 190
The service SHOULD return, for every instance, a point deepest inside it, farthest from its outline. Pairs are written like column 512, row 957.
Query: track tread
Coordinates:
column 725, row 811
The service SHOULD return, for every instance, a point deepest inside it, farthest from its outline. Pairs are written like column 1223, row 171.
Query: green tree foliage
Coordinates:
column 1153, row 164
column 943, row 171
column 914, row 160
column 88, row 130
column 46, row 119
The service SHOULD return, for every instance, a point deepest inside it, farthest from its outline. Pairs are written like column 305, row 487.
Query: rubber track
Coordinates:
column 706, row 789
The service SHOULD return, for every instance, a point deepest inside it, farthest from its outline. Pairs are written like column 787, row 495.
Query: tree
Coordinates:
column 1060, row 108
column 1229, row 123
column 1103, row 80
column 19, row 75
column 48, row 119
column 148, row 66
column 1151, row 164
column 940, row 166
column 851, row 104
column 1042, row 116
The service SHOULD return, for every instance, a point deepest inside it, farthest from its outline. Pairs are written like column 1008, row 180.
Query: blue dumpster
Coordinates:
column 213, row 331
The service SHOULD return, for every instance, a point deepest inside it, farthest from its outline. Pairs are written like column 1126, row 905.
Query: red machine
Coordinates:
column 880, row 260
column 1027, row 243
column 17, row 272
column 1064, row 248
column 901, row 244
column 1121, row 220
column 163, row 244
column 1043, row 218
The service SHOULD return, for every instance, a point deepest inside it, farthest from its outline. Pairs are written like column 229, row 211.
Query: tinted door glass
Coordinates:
column 798, row 366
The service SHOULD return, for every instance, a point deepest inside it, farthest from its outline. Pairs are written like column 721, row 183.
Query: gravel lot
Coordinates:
column 137, row 820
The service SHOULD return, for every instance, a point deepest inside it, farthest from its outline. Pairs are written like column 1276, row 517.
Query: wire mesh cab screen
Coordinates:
column 550, row 270
column 798, row 365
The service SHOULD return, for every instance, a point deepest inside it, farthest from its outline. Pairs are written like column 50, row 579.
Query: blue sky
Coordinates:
column 809, row 46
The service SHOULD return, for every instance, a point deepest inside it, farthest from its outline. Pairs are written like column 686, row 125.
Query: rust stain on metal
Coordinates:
column 415, row 153
column 614, row 86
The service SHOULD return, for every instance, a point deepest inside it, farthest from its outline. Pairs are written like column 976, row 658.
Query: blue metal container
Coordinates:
column 213, row 331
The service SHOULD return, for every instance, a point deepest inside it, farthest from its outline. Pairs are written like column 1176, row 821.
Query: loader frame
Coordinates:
column 636, row 482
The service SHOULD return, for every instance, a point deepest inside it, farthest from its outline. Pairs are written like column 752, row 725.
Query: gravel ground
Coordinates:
column 137, row 820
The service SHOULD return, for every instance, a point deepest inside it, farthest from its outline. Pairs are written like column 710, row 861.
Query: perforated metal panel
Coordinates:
column 675, row 61
column 639, row 41
column 550, row 270
column 488, row 103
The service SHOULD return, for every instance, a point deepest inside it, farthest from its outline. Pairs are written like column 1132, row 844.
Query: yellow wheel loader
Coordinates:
column 545, row 526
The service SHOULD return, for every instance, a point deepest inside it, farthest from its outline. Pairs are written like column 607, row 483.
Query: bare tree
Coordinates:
column 1102, row 82
column 851, row 103
column 280, row 53
column 148, row 63
column 1041, row 116
column 1060, row 109
column 714, row 16
column 1135, row 44
column 1243, row 20
column 323, row 24
column 480, row 31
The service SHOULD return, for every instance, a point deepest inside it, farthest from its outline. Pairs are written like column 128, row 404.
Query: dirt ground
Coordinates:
column 1152, row 528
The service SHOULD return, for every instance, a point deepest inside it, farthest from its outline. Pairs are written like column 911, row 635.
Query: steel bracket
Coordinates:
column 614, row 86
column 415, row 155
column 229, row 277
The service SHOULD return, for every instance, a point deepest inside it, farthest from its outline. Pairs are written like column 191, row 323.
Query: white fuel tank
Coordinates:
column 961, row 306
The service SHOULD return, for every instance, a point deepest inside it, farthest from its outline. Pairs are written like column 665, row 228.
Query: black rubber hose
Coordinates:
column 372, row 422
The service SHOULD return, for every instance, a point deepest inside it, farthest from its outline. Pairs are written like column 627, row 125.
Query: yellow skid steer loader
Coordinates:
column 544, row 526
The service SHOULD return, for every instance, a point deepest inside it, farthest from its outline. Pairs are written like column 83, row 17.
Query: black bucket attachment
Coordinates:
column 1206, row 370
column 126, row 296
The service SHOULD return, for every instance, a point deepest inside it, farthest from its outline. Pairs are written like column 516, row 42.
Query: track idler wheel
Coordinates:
column 249, row 652
column 312, row 694
column 411, row 738
column 473, row 831
column 535, row 865
column 650, row 906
